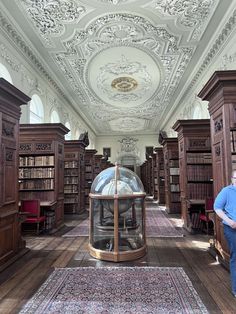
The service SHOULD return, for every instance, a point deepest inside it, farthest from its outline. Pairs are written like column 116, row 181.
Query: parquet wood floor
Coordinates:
column 20, row 280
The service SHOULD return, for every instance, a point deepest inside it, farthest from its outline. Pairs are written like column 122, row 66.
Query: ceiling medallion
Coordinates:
column 124, row 84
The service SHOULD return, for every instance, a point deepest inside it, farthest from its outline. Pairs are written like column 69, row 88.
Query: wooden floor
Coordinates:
column 20, row 280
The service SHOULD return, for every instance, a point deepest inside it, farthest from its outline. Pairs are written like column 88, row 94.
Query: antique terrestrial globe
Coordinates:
column 117, row 215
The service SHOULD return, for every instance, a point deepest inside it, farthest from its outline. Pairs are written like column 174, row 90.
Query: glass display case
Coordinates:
column 117, row 216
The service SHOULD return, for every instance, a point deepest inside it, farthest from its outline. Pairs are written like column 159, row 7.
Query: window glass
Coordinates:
column 36, row 110
column 5, row 74
column 55, row 117
column 68, row 135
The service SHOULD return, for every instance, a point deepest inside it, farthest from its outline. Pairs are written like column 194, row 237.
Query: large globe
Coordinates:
column 122, row 189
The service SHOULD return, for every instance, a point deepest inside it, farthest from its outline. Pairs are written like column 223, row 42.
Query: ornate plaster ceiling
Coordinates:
column 121, row 63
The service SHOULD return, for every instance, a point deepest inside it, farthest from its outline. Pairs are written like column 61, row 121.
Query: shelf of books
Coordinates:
column 171, row 170
column 159, row 176
column 10, row 220
column 89, row 163
column 196, row 178
column 220, row 93
column 97, row 164
column 74, row 198
column 41, row 169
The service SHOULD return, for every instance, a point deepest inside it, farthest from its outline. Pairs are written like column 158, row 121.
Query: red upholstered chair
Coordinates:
column 32, row 210
column 206, row 217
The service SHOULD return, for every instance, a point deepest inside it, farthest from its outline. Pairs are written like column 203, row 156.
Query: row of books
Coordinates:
column 36, row 161
column 36, row 173
column 71, row 164
column 174, row 188
column 71, row 188
column 174, row 171
column 69, row 200
column 199, row 172
column 173, row 163
column 199, row 158
column 71, row 180
column 46, row 184
column 200, row 191
column 71, row 172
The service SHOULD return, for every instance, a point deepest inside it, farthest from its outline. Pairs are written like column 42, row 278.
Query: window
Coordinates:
column 77, row 134
column 4, row 73
column 68, row 135
column 55, row 117
column 197, row 113
column 36, row 110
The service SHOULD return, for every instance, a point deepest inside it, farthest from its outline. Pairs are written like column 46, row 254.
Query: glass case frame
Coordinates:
column 117, row 228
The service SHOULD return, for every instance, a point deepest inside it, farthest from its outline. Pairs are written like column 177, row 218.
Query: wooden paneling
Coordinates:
column 220, row 91
column 195, row 160
column 42, row 167
column 10, row 237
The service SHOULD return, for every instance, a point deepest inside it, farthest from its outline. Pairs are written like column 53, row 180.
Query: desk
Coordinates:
column 43, row 203
column 47, row 209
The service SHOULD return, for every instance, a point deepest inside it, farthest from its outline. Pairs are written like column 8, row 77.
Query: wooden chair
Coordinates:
column 206, row 217
column 33, row 216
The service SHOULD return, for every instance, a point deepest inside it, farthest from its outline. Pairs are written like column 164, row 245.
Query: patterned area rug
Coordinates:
column 157, row 225
column 116, row 290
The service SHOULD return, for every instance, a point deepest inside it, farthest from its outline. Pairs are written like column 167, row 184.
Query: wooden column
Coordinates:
column 10, row 236
column 220, row 91
column 171, row 168
column 195, row 165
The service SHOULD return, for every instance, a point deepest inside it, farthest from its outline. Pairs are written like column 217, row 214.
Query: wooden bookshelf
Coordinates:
column 74, row 189
column 159, row 175
column 11, row 242
column 89, row 164
column 97, row 165
column 195, row 161
column 41, row 168
column 143, row 173
column 171, row 170
column 220, row 91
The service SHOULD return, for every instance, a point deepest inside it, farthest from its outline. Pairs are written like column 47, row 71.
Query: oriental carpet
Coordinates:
column 116, row 290
column 157, row 225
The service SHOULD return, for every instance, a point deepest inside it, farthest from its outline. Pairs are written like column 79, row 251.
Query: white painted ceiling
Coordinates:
column 120, row 63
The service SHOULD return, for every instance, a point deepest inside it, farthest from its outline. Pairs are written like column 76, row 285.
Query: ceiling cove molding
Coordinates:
column 49, row 18
column 192, row 14
column 221, row 39
column 21, row 44
column 223, row 36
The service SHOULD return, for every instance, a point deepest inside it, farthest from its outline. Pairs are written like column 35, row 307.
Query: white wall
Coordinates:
column 116, row 146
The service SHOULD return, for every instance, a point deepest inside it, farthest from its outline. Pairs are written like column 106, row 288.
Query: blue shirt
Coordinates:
column 226, row 201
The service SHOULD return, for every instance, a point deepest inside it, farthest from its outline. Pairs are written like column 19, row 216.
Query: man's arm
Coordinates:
column 223, row 216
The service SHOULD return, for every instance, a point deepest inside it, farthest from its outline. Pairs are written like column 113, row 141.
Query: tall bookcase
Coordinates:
column 97, row 164
column 220, row 91
column 159, row 175
column 74, row 190
column 10, row 232
column 89, row 172
column 143, row 174
column 171, row 169
column 41, row 168
column 195, row 162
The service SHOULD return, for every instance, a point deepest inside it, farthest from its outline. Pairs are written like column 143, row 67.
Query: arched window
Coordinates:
column 36, row 110
column 5, row 74
column 55, row 117
column 197, row 113
column 68, row 135
column 77, row 134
